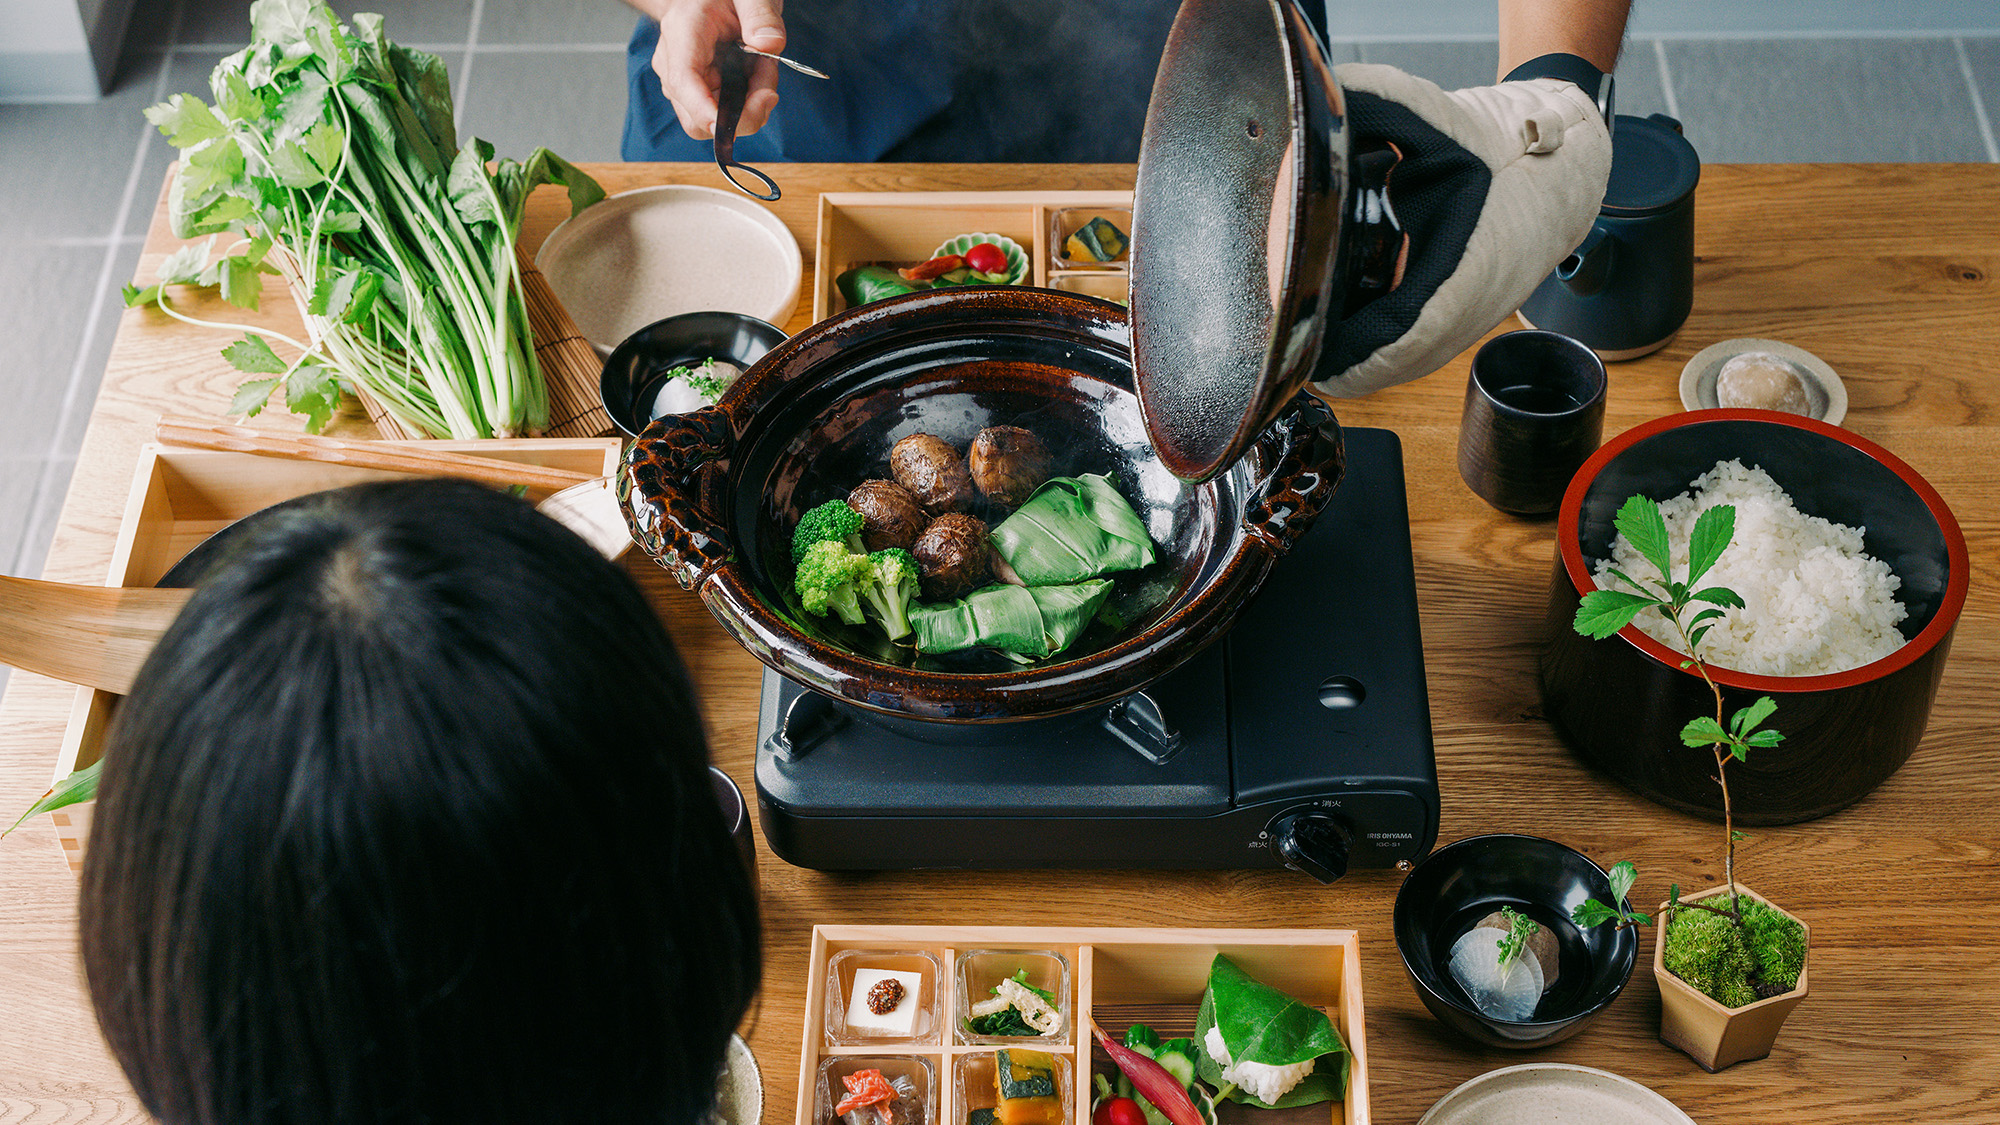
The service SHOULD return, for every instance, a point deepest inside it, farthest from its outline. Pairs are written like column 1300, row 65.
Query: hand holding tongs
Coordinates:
column 735, row 72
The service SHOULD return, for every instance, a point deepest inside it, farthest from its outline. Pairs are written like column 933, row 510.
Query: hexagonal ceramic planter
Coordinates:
column 1713, row 1036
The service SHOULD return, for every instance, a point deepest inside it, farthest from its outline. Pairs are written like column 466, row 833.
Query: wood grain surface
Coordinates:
column 1887, row 272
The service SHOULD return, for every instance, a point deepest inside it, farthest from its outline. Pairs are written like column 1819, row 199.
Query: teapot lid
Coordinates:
column 1236, row 219
column 1653, row 167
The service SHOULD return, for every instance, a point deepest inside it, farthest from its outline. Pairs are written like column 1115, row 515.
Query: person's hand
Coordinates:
column 1496, row 186
column 691, row 31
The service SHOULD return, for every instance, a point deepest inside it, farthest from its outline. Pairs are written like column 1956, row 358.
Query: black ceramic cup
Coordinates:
column 736, row 817
column 1534, row 412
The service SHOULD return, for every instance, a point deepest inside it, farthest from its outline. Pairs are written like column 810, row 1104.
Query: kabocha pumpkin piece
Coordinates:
column 1096, row 241
column 1026, row 1081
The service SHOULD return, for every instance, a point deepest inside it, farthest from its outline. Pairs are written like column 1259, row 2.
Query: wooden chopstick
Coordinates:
column 400, row 457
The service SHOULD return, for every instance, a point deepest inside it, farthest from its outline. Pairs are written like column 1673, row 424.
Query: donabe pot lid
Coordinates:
column 1236, row 217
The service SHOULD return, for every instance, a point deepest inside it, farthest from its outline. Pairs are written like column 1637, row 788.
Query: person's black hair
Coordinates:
column 408, row 819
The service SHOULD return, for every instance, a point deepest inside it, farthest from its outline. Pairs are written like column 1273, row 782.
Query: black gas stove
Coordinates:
column 1302, row 739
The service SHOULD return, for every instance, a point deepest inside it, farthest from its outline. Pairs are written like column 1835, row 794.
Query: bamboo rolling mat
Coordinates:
column 569, row 365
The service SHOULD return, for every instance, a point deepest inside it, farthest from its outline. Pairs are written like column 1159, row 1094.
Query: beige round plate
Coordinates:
column 1827, row 394
column 739, row 1091
column 645, row 255
column 1539, row 1093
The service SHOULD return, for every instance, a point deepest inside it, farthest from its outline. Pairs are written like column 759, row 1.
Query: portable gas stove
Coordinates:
column 1302, row 739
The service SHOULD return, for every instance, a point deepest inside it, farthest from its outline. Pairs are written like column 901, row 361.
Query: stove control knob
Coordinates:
column 1312, row 842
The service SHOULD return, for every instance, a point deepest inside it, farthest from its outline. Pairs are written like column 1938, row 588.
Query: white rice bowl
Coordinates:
column 1815, row 602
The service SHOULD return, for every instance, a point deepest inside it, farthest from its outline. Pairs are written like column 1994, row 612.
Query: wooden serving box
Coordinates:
column 1117, row 977
column 857, row 228
column 182, row 496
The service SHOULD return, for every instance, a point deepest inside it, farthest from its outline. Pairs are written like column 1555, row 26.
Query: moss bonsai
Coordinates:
column 1732, row 948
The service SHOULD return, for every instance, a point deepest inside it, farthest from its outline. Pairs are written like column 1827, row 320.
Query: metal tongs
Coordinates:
column 729, row 100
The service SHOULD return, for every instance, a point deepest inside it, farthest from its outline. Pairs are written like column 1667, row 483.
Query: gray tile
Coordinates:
column 45, row 299
column 31, row 554
column 68, row 164
column 96, row 351
column 18, row 477
column 1984, row 57
column 1639, row 91
column 511, row 101
column 1453, row 66
column 226, row 23
column 552, row 22
column 1825, row 100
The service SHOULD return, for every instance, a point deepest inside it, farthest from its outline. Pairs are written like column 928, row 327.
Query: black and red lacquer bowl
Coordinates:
column 1620, row 703
column 714, row 495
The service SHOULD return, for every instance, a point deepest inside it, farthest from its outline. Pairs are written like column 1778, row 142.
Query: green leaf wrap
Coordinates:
column 1070, row 529
column 863, row 284
column 1263, row 1025
column 1031, row 621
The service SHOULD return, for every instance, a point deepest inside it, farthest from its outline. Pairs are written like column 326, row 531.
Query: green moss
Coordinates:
column 1710, row 953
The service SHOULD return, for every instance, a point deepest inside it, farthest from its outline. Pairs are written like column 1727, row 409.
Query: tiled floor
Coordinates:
column 82, row 178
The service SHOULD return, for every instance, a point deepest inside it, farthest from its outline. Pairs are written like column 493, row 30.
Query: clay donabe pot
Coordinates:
column 714, row 495
column 1621, row 702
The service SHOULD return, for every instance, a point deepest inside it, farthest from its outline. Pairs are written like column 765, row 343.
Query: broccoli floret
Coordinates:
column 829, row 577
column 890, row 588
column 833, row 520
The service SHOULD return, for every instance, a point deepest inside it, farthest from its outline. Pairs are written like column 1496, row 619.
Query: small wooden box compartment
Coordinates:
column 1118, row 977
column 182, row 496
column 856, row 228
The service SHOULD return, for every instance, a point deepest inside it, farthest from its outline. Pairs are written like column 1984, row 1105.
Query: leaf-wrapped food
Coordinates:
column 1032, row 621
column 1260, row 1024
column 863, row 284
column 1070, row 529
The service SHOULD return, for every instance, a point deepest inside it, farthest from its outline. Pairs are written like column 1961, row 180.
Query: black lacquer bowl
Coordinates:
column 1620, row 703
column 1457, row 885
column 713, row 495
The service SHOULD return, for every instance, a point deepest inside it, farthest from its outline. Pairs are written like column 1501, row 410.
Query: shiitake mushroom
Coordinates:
column 933, row 472
column 1007, row 463
column 890, row 516
column 953, row 557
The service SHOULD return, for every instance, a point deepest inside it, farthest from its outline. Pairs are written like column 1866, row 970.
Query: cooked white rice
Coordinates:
column 1814, row 601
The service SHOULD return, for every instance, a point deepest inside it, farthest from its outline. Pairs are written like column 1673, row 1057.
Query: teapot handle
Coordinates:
column 1304, row 449
column 660, row 486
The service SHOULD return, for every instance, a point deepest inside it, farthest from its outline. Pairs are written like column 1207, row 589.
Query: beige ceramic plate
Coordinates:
column 645, row 255
column 1826, row 394
column 739, row 1092
column 1539, row 1093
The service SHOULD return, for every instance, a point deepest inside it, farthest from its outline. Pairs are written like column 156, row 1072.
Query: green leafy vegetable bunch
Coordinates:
column 330, row 159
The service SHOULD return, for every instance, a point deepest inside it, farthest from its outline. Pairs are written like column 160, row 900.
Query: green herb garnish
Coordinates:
column 704, row 378
column 1520, row 928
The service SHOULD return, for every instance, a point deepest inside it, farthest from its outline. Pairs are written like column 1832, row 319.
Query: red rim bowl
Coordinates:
column 1845, row 732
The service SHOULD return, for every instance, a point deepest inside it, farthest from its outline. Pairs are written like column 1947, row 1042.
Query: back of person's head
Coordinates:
column 407, row 819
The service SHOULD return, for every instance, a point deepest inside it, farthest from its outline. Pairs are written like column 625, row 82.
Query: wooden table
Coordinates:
column 1890, row 273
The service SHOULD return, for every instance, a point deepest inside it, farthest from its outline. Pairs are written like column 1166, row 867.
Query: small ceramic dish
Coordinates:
column 1543, row 1092
column 1459, row 884
column 1017, row 258
column 1825, row 394
column 642, row 256
column 634, row 384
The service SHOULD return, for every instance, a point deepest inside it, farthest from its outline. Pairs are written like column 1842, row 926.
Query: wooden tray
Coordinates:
column 904, row 227
column 1117, row 977
column 182, row 496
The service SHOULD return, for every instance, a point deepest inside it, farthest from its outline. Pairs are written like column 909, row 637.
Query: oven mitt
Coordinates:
column 1496, row 186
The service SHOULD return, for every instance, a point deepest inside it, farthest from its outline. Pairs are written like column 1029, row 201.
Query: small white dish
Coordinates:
column 739, row 1091
column 645, row 255
column 1826, row 395
column 1538, row 1093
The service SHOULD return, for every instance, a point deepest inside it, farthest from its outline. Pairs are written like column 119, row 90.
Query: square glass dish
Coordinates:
column 1111, row 285
column 1078, row 235
column 917, row 1107
column 882, row 996
column 976, row 1088
column 978, row 977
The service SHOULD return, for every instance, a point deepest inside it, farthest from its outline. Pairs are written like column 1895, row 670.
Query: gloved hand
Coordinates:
column 1497, row 185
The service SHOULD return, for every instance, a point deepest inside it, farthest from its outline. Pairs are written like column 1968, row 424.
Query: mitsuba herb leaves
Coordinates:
column 331, row 154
